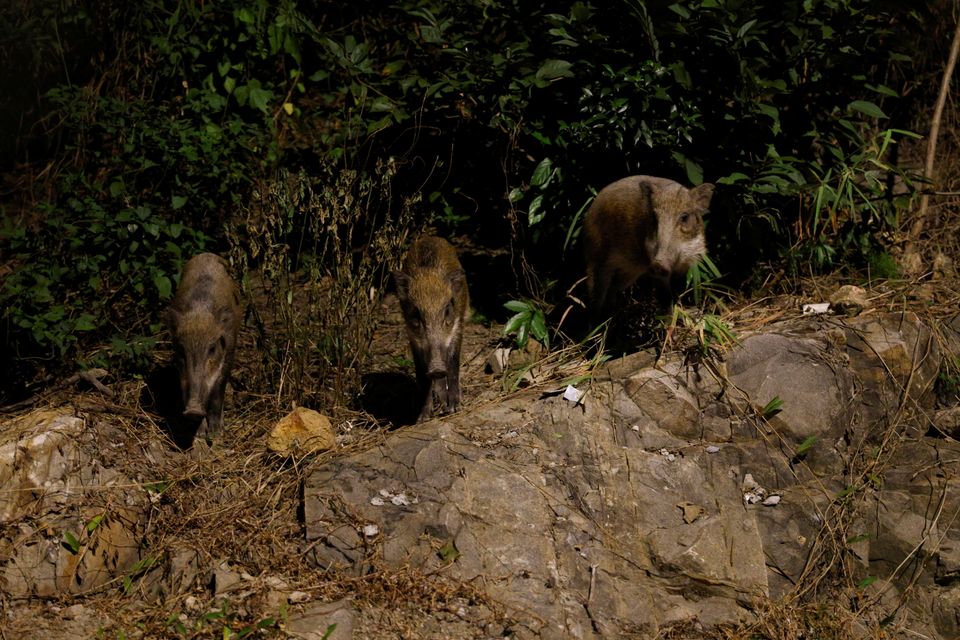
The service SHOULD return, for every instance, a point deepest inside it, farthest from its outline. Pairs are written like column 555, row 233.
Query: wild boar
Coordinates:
column 641, row 225
column 432, row 289
column 203, row 321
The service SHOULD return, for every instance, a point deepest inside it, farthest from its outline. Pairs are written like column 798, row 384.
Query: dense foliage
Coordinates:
column 163, row 119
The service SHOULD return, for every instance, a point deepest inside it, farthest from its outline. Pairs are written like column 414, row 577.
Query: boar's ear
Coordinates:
column 701, row 195
column 458, row 280
column 225, row 317
column 646, row 196
column 401, row 282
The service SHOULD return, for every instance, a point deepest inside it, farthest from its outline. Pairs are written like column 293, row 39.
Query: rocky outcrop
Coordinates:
column 667, row 494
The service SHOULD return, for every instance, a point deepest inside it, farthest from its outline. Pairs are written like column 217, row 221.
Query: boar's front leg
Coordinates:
column 452, row 381
column 425, row 386
column 214, row 420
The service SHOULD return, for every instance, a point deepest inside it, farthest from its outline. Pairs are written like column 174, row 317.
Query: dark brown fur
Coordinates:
column 203, row 320
column 432, row 289
column 639, row 225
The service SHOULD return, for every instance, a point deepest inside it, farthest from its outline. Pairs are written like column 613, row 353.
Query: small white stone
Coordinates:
column 296, row 597
column 713, row 448
column 377, row 501
column 636, row 428
column 370, row 530
column 400, row 500
column 771, row 501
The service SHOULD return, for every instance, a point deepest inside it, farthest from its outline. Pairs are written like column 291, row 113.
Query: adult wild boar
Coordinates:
column 639, row 225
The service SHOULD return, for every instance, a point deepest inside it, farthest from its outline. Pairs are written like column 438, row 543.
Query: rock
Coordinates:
column 943, row 267
column 49, row 475
column 623, row 500
column 302, row 432
column 497, row 361
column 809, row 376
column 328, row 621
column 947, row 422
column 896, row 360
column 225, row 579
column 946, row 612
column 849, row 300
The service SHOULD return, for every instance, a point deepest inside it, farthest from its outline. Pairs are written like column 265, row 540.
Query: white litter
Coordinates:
column 572, row 394
column 815, row 308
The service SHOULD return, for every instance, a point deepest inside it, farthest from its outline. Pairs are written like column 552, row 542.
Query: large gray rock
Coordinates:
column 631, row 511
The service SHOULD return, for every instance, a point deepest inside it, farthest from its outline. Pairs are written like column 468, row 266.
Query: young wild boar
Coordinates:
column 432, row 289
column 203, row 320
column 639, row 225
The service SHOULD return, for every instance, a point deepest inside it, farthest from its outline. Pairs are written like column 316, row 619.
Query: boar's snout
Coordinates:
column 194, row 411
column 437, row 367
column 660, row 268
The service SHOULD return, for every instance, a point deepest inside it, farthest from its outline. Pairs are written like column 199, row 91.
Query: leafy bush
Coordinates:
column 502, row 116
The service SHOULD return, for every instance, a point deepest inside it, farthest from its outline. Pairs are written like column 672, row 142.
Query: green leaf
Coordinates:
column 866, row 582
column 94, row 523
column 733, row 178
column 538, row 327
column 542, row 174
column 516, row 322
column 177, row 202
column 772, row 408
column 867, row 108
column 694, row 171
column 536, row 214
column 746, row 27
column 516, row 306
column 71, row 543
column 164, row 286
column 523, row 335
column 330, row 629
column 449, row 552
column 554, row 70
column 516, row 194
column 85, row 322
column 806, row 444
column 883, row 90
column 259, row 97
column 244, row 15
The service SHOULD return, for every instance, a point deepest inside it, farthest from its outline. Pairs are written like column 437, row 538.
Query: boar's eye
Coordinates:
column 684, row 219
column 448, row 312
column 416, row 320
column 212, row 350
